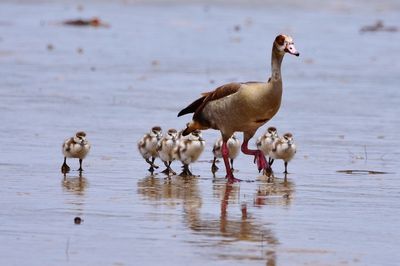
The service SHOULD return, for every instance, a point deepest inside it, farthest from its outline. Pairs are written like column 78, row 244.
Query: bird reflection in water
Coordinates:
column 75, row 184
column 169, row 191
column 75, row 187
column 226, row 229
column 277, row 192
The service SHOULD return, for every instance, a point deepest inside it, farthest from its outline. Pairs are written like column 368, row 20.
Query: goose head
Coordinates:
column 284, row 44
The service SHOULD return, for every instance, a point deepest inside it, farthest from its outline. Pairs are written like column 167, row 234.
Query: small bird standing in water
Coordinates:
column 264, row 142
column 284, row 148
column 188, row 150
column 75, row 147
column 147, row 146
column 165, row 150
column 233, row 147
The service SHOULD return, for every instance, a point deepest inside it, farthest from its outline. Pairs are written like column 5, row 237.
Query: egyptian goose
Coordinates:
column 165, row 149
column 147, row 146
column 75, row 147
column 233, row 147
column 264, row 142
column 242, row 107
column 283, row 148
column 189, row 150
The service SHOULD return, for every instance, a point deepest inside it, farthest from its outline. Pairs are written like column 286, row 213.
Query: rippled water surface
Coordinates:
column 341, row 102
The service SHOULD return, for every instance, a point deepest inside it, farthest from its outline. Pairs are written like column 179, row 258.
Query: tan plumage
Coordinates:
column 147, row 146
column 264, row 142
column 242, row 107
column 189, row 150
column 75, row 147
column 165, row 148
column 284, row 148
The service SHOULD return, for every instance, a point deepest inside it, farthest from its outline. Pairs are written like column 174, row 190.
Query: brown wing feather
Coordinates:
column 221, row 92
column 218, row 93
column 191, row 108
column 199, row 122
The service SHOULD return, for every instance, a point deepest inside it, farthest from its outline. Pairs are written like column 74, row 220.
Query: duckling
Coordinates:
column 75, row 147
column 147, row 146
column 233, row 147
column 188, row 150
column 284, row 148
column 264, row 142
column 165, row 150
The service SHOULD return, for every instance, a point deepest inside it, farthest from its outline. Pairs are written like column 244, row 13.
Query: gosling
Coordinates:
column 264, row 142
column 165, row 149
column 233, row 147
column 284, row 148
column 147, row 146
column 189, row 150
column 75, row 147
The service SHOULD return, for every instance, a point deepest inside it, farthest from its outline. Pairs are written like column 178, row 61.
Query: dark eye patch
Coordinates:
column 280, row 39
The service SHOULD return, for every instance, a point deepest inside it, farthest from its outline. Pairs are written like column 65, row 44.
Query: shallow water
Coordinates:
column 340, row 101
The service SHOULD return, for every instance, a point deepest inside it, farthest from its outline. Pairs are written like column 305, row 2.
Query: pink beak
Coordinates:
column 291, row 49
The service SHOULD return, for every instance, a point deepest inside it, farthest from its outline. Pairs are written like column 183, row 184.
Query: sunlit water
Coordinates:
column 341, row 102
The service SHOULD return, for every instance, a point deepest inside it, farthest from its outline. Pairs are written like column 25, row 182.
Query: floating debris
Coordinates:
column 155, row 63
column 80, row 8
column 362, row 172
column 94, row 22
column 78, row 220
column 379, row 26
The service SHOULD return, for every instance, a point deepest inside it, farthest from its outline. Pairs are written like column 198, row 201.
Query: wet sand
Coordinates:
column 341, row 102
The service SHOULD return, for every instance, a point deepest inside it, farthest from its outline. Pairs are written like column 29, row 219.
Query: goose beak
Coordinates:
column 291, row 49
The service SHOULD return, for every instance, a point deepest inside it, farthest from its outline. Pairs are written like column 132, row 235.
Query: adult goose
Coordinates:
column 242, row 107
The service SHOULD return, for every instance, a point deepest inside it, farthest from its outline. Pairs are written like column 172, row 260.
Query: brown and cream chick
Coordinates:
column 264, row 142
column 147, row 146
column 189, row 150
column 233, row 147
column 75, row 147
column 165, row 150
column 284, row 149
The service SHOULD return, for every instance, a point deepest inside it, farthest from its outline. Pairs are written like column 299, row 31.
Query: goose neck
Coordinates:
column 276, row 61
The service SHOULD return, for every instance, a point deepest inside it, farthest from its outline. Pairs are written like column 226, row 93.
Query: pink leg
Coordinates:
column 225, row 155
column 259, row 157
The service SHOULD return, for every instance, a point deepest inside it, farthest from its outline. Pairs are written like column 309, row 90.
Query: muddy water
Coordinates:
column 340, row 101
